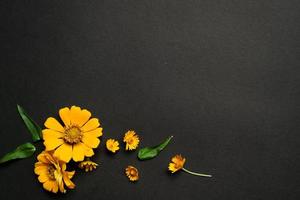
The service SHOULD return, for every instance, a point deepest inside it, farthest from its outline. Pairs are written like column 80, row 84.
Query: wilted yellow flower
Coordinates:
column 52, row 173
column 132, row 140
column 132, row 173
column 76, row 139
column 177, row 163
column 87, row 165
column 112, row 145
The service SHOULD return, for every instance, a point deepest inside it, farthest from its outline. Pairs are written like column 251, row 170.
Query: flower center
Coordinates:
column 130, row 141
column 132, row 172
column 51, row 170
column 73, row 135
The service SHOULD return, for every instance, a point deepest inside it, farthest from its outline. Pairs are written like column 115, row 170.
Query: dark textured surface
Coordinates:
column 223, row 77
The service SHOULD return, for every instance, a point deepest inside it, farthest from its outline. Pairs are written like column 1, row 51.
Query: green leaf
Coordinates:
column 151, row 152
column 22, row 151
column 33, row 127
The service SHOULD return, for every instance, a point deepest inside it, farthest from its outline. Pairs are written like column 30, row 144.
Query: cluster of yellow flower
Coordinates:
column 75, row 141
column 131, row 139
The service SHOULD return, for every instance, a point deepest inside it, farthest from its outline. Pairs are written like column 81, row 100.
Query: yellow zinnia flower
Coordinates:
column 178, row 163
column 52, row 173
column 76, row 139
column 132, row 173
column 88, row 165
column 131, row 139
column 112, row 145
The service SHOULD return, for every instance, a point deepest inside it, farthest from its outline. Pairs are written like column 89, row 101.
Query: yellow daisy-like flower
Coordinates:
column 132, row 173
column 131, row 139
column 76, row 139
column 52, row 173
column 87, row 165
column 112, row 145
column 177, row 163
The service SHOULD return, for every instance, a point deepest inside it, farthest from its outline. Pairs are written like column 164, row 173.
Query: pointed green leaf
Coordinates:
column 151, row 152
column 22, row 151
column 33, row 127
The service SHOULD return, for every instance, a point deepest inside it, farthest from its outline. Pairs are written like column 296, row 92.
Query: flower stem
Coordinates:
column 196, row 174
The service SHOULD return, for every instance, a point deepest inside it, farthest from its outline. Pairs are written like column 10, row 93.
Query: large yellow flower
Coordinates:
column 76, row 139
column 131, row 139
column 52, row 173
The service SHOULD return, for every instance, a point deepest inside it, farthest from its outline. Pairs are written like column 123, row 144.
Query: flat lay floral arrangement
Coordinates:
column 73, row 138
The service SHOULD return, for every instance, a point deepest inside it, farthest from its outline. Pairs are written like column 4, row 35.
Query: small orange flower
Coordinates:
column 177, row 163
column 132, row 173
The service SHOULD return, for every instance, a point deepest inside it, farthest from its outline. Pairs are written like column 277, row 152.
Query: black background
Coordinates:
column 221, row 76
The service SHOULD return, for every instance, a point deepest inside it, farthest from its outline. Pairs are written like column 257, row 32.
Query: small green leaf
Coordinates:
column 22, row 151
column 151, row 152
column 33, row 127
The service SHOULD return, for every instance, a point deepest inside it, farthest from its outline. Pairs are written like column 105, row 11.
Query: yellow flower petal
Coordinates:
column 64, row 152
column 67, row 180
column 52, row 143
column 63, row 165
column 78, row 152
column 88, row 151
column 42, row 158
column 48, row 185
column 70, row 174
column 172, row 167
column 54, row 187
column 43, row 178
column 40, row 169
column 64, row 114
column 59, row 180
column 90, row 141
column 53, row 124
column 91, row 125
column 177, row 159
column 48, row 133
column 79, row 117
column 94, row 133
column 51, row 186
